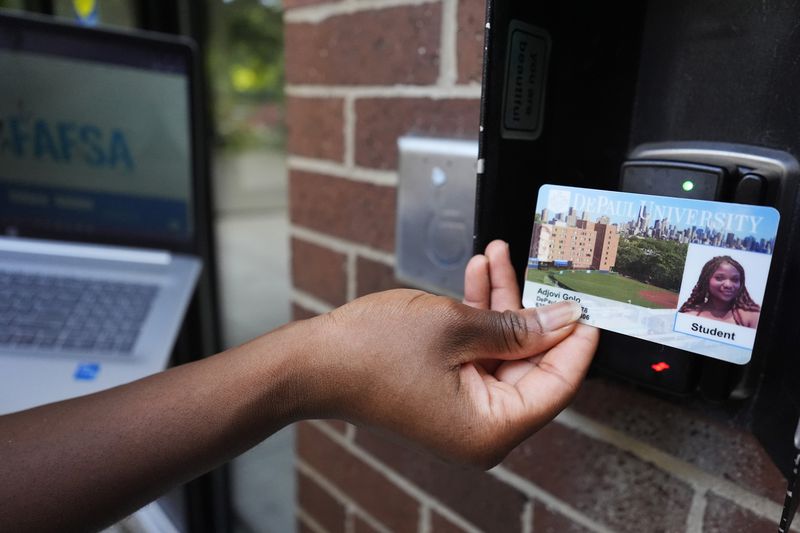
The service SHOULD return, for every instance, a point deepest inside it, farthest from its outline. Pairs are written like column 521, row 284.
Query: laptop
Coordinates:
column 98, row 167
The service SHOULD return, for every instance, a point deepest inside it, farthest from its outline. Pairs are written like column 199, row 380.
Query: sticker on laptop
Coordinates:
column 690, row 274
column 87, row 371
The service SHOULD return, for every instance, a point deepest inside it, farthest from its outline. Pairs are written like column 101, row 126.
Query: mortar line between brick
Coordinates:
column 396, row 478
column 351, row 288
column 349, row 519
column 470, row 91
column 534, row 491
column 349, row 132
column 686, row 472
column 386, row 178
column 424, row 519
column 340, row 245
column 309, row 521
column 527, row 518
column 312, row 303
column 697, row 511
column 339, row 495
column 318, row 13
column 448, row 49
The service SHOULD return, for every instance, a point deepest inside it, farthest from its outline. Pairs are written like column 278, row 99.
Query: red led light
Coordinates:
column 660, row 366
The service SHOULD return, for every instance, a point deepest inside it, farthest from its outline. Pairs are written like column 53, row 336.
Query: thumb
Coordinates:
column 524, row 333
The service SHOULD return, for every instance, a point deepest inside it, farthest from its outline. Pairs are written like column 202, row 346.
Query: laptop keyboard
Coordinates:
column 69, row 314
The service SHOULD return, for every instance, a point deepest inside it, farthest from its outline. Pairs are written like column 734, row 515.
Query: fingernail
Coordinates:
column 552, row 317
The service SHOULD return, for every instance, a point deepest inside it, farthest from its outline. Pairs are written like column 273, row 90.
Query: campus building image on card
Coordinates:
column 572, row 241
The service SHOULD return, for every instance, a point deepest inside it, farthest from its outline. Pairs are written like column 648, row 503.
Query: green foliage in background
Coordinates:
column 652, row 261
column 246, row 66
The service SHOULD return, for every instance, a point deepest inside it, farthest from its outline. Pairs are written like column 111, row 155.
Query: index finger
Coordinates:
column 477, row 287
column 503, row 279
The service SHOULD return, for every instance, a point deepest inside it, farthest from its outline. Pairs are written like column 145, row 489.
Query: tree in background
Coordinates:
column 245, row 62
column 652, row 261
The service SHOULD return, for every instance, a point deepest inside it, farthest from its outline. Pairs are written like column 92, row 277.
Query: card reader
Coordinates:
column 710, row 171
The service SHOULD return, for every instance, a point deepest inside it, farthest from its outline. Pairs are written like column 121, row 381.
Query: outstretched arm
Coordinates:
column 83, row 463
column 468, row 382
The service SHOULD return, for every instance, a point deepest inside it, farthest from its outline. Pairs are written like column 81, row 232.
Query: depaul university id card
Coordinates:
column 685, row 273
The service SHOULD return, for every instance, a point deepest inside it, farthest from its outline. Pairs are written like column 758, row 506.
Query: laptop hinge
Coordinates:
column 85, row 251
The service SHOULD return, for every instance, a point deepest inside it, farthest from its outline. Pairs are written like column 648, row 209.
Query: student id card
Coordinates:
column 690, row 274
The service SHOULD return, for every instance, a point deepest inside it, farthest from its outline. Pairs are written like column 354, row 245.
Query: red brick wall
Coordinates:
column 360, row 74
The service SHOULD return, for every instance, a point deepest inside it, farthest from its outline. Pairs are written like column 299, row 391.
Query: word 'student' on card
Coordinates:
column 690, row 274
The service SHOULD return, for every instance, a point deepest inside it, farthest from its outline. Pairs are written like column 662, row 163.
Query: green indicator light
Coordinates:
column 687, row 185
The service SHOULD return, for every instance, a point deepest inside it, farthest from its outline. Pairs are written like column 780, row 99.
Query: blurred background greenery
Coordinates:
column 246, row 70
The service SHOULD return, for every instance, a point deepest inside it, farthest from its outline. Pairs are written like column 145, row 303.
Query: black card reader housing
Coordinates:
column 632, row 95
column 719, row 172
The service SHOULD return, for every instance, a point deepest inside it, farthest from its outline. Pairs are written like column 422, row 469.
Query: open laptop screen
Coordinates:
column 95, row 136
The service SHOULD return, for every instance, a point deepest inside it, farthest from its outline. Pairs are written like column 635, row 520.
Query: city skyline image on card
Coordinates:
column 653, row 267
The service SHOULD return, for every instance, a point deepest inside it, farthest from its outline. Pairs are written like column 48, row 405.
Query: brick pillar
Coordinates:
column 360, row 74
